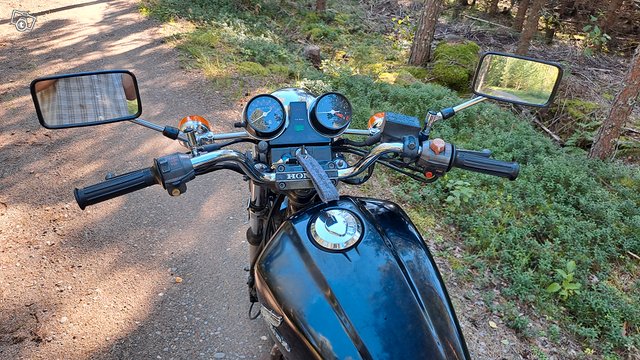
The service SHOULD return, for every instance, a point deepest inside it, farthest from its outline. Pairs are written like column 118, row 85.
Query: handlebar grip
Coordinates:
column 478, row 163
column 114, row 187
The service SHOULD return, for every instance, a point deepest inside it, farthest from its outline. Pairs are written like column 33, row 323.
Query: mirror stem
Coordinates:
column 152, row 126
column 433, row 117
column 468, row 103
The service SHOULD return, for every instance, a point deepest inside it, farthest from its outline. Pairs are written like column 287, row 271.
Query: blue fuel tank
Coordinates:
column 380, row 298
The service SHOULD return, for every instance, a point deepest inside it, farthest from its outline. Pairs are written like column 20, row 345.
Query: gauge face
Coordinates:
column 331, row 114
column 264, row 116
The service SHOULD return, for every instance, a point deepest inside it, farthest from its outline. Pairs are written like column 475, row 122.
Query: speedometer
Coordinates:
column 331, row 114
column 264, row 117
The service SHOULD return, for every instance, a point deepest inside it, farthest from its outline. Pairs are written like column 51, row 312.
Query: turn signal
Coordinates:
column 376, row 121
column 195, row 121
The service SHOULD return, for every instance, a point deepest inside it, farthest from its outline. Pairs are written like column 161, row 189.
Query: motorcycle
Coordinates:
column 334, row 277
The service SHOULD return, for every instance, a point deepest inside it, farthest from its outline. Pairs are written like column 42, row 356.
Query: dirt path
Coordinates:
column 101, row 283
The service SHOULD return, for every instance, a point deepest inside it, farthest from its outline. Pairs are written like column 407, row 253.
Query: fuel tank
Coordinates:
column 379, row 296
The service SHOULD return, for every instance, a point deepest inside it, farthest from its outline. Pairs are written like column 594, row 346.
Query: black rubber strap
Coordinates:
column 325, row 188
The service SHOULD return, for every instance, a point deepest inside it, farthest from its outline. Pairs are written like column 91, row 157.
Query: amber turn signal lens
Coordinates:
column 193, row 119
column 376, row 120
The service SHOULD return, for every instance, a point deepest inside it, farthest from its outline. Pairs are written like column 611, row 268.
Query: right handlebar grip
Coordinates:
column 478, row 163
column 114, row 187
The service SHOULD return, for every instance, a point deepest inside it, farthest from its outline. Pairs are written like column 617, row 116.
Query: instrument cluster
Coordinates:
column 267, row 117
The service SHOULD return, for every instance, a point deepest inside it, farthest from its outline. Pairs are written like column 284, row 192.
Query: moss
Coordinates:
column 418, row 72
column 343, row 19
column 320, row 31
column 279, row 69
column 580, row 110
column 405, row 78
column 402, row 78
column 388, row 77
column 454, row 64
column 252, row 68
column 311, row 17
column 374, row 69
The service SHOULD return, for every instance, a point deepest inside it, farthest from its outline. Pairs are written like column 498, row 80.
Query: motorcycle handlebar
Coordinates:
column 475, row 162
column 115, row 186
column 136, row 180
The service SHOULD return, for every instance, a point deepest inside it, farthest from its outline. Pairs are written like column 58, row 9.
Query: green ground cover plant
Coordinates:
column 563, row 209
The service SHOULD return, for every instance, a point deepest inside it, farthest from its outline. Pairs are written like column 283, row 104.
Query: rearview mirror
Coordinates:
column 83, row 99
column 516, row 79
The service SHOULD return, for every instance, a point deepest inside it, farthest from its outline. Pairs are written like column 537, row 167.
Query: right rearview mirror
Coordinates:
column 516, row 79
column 92, row 98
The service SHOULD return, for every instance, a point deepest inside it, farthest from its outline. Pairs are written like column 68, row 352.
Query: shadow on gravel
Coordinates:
column 127, row 251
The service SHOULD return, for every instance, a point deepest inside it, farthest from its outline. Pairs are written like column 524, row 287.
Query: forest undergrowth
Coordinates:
column 562, row 241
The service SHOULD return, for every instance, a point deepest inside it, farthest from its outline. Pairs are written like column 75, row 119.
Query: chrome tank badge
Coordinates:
column 336, row 229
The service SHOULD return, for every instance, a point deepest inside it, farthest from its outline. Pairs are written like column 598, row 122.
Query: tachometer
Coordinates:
column 264, row 117
column 331, row 114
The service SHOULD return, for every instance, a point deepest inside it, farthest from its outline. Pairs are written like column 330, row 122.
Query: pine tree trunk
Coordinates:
column 606, row 139
column 493, row 7
column 520, row 15
column 612, row 14
column 321, row 6
column 421, row 47
column 530, row 27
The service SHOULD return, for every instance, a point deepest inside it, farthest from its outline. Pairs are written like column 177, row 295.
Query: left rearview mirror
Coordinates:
column 83, row 99
column 517, row 79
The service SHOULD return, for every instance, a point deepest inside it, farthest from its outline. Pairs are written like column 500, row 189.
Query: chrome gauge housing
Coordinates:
column 264, row 117
column 336, row 229
column 289, row 95
column 331, row 114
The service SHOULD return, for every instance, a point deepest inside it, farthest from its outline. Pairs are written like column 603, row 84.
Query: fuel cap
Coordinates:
column 336, row 229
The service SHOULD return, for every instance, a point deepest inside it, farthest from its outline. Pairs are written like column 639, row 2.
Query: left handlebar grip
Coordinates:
column 116, row 186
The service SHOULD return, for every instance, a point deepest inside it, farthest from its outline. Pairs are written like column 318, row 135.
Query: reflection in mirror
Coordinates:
column 86, row 99
column 516, row 80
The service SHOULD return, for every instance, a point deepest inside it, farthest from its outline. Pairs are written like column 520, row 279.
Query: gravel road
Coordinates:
column 101, row 283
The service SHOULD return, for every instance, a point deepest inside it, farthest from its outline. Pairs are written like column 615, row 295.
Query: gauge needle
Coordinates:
column 261, row 116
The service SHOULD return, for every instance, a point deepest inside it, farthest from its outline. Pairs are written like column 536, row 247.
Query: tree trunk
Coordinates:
column 493, row 7
column 606, row 139
column 530, row 27
column 321, row 6
column 612, row 15
column 421, row 47
column 549, row 32
column 520, row 15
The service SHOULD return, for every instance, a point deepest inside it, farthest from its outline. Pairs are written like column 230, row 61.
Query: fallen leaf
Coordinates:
column 505, row 342
column 178, row 279
column 493, row 325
